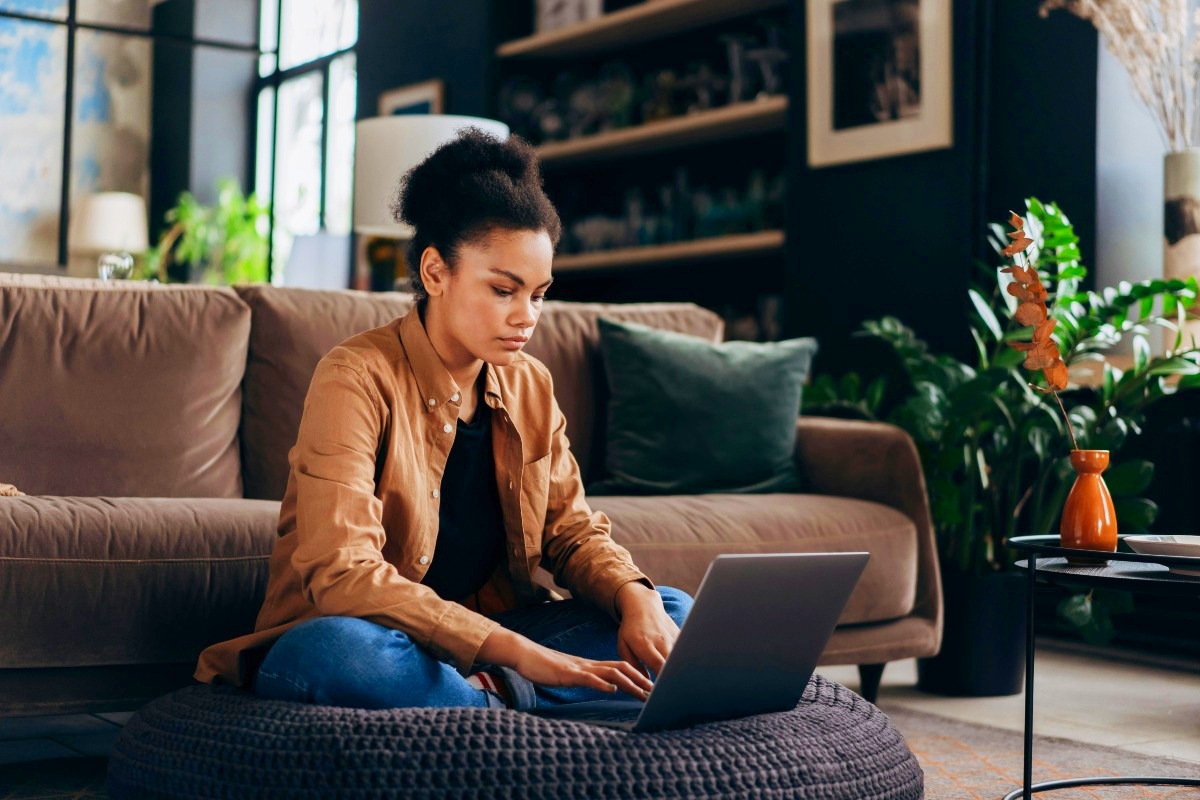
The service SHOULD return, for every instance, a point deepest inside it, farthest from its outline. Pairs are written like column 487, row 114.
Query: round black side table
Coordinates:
column 1132, row 572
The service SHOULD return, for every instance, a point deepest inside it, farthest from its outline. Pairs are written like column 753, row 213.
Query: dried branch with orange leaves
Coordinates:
column 1041, row 351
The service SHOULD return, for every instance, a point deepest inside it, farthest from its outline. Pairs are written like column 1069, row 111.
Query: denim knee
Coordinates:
column 676, row 602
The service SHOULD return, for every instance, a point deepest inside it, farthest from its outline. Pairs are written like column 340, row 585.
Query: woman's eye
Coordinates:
column 501, row 292
column 539, row 297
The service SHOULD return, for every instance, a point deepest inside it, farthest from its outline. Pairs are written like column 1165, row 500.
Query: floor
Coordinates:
column 1144, row 709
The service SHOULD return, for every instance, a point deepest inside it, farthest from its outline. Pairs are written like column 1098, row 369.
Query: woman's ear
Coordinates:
column 434, row 272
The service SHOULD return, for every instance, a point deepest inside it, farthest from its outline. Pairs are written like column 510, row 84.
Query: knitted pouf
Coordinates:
column 223, row 742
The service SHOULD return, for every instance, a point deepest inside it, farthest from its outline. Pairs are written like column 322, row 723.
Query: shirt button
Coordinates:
column 454, row 397
column 432, row 402
column 424, row 559
column 446, row 428
column 436, row 494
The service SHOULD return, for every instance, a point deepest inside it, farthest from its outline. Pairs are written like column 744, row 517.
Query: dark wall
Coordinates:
column 413, row 41
column 900, row 235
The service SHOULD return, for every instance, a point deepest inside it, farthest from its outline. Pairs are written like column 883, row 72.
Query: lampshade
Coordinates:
column 109, row 222
column 387, row 147
column 319, row 261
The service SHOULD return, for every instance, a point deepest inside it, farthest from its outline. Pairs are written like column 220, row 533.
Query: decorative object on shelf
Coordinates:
column 1156, row 43
column 570, row 106
column 770, row 59
column 1168, row 545
column 555, row 14
column 992, row 448
column 221, row 244
column 1089, row 520
column 426, row 97
column 680, row 214
column 879, row 79
column 109, row 227
column 384, row 149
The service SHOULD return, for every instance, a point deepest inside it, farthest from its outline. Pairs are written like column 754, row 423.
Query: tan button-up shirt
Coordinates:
column 359, row 520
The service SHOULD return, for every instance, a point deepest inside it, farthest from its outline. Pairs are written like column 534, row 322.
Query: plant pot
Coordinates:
column 983, row 638
column 1089, row 520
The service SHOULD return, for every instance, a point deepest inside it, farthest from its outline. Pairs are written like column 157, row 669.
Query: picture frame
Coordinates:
column 880, row 79
column 426, row 97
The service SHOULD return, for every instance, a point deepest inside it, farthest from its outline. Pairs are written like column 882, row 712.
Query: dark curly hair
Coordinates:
column 468, row 188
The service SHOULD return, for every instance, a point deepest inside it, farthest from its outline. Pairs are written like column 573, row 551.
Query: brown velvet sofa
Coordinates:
column 149, row 428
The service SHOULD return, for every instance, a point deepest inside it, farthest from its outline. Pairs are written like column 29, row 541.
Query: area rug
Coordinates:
column 964, row 761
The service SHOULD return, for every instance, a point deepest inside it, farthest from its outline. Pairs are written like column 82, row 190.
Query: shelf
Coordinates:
column 711, row 248
column 712, row 125
column 649, row 19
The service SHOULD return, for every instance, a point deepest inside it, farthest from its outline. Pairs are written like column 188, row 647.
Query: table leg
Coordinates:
column 1031, row 587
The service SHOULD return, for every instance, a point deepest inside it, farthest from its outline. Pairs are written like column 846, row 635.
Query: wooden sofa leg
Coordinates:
column 869, row 676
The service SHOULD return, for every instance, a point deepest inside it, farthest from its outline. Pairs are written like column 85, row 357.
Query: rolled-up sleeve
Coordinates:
column 576, row 540
column 339, row 528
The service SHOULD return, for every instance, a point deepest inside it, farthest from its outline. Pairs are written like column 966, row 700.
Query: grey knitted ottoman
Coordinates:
column 222, row 742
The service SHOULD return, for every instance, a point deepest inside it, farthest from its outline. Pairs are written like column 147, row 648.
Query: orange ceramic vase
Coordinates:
column 1089, row 521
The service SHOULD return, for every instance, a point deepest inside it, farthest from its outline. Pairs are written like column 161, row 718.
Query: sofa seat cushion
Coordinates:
column 89, row 581
column 674, row 538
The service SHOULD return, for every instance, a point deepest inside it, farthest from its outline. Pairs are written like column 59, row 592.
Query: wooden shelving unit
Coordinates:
column 713, row 125
column 648, row 20
column 707, row 249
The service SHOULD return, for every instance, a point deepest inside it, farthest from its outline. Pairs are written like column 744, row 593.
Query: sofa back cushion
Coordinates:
column 294, row 328
column 120, row 389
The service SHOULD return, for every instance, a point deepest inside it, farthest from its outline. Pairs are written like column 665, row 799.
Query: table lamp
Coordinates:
column 387, row 147
column 112, row 226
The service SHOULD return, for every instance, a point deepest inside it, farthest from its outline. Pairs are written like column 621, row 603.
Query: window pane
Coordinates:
column 315, row 28
column 33, row 82
column 127, row 13
column 265, row 135
column 51, row 9
column 268, row 25
column 339, row 159
column 297, row 196
column 110, row 140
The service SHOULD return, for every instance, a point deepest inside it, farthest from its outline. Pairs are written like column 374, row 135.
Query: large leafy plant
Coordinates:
column 221, row 244
column 992, row 439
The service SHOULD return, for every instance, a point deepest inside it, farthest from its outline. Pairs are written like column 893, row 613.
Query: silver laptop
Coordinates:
column 748, row 646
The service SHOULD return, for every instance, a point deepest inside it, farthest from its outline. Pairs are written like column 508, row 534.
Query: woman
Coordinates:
column 431, row 475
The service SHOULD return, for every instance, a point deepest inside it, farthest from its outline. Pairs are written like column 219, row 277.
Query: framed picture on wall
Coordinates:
column 880, row 79
column 426, row 97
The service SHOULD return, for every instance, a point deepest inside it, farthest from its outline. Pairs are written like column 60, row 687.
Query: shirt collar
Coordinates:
column 433, row 379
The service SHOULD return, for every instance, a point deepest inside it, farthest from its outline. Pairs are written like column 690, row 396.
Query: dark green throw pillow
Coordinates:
column 686, row 416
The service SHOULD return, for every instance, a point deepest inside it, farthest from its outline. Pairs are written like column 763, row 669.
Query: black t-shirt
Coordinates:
column 471, row 529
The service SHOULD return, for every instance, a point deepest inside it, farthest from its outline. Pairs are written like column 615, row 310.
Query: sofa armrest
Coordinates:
column 878, row 462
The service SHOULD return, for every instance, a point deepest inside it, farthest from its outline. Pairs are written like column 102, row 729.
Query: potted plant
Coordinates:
column 221, row 244
column 994, row 440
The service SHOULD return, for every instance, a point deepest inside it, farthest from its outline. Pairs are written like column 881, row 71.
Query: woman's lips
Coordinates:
column 515, row 343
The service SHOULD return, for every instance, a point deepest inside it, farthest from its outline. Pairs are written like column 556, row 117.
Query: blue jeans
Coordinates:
column 350, row 662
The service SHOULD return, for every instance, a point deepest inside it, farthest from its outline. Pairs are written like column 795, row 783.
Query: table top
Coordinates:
column 1129, row 575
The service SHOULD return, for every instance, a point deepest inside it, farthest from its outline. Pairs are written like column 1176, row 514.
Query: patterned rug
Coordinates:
column 962, row 761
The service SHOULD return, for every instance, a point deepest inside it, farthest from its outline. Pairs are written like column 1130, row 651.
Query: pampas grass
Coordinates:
column 1158, row 43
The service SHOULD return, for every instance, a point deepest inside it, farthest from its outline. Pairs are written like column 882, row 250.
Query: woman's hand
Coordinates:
column 647, row 632
column 548, row 667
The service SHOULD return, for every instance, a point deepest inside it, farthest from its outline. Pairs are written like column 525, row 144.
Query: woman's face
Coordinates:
column 489, row 304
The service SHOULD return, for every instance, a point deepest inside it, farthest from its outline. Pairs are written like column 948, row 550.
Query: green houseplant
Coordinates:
column 221, row 244
column 993, row 441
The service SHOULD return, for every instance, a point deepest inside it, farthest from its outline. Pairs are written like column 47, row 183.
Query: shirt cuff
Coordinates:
column 623, row 579
column 459, row 635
